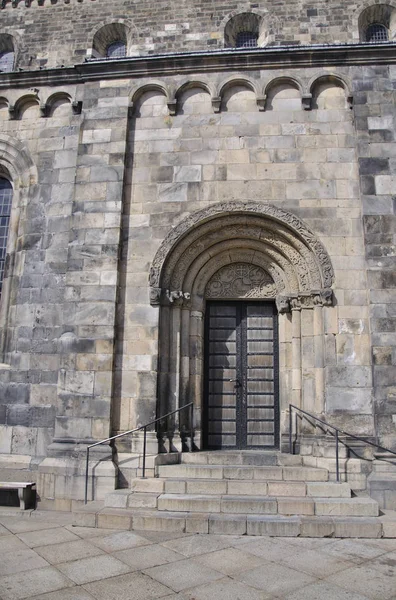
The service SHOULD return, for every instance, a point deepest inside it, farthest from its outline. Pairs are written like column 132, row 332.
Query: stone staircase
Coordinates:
column 245, row 492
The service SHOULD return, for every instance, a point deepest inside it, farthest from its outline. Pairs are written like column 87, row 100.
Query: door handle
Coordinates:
column 237, row 382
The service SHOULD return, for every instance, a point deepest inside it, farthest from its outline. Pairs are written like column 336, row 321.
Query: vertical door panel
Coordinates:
column 241, row 385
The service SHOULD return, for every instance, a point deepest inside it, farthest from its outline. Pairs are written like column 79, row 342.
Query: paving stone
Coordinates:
column 274, row 579
column 23, row 525
column 92, row 569
column 198, row 544
column 229, row 560
column 31, row 583
column 75, row 593
column 225, row 588
column 68, row 551
column 145, row 557
column 361, row 579
column 323, row 591
column 9, row 543
column 352, row 550
column 183, row 574
column 133, row 586
column 15, row 561
column 119, row 541
column 47, row 536
column 315, row 563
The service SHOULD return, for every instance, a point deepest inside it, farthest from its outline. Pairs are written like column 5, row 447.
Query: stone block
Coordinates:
column 112, row 518
column 317, row 527
column 357, row 528
column 164, row 522
column 295, row 506
column 248, row 488
column 197, row 523
column 354, row 507
column 248, row 505
column 329, row 490
column 188, row 503
column 228, row 524
column 142, row 500
column 286, row 489
column 202, row 486
column 276, row 526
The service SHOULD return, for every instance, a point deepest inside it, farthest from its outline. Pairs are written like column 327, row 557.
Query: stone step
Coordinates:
column 263, row 473
column 95, row 514
column 241, row 457
column 237, row 487
column 357, row 507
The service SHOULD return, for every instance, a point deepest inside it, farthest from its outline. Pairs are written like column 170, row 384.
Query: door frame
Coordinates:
column 205, row 387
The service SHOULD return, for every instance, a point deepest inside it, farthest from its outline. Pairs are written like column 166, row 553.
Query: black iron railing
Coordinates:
column 190, row 405
column 330, row 429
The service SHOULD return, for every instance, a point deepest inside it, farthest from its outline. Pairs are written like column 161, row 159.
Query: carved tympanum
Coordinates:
column 241, row 280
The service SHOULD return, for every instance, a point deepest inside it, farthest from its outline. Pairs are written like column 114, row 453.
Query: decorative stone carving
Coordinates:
column 241, row 280
column 320, row 258
column 316, row 298
column 282, row 304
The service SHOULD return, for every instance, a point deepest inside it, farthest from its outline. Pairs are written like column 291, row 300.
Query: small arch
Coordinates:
column 328, row 87
column 283, row 93
column 7, row 53
column 4, row 115
column 194, row 97
column 245, row 30
column 143, row 93
column 377, row 23
column 110, row 41
column 56, row 102
column 24, row 104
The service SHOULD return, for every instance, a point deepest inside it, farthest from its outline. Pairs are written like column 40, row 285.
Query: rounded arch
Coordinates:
column 239, row 22
column 55, row 99
column 281, row 238
column 23, row 102
column 291, row 81
column 195, row 83
column 17, row 166
column 8, row 52
column 238, row 80
column 108, row 34
column 152, row 86
column 373, row 12
column 326, row 77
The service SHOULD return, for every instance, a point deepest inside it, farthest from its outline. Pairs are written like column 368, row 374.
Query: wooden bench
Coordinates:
column 26, row 492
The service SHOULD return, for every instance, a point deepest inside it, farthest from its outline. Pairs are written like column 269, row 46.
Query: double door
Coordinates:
column 241, row 407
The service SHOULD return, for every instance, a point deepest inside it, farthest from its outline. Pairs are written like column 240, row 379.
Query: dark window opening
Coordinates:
column 6, row 62
column 5, row 212
column 116, row 50
column 376, row 33
column 246, row 39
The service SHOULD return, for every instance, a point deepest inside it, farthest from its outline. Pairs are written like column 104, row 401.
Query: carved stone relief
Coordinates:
column 242, row 210
column 241, row 280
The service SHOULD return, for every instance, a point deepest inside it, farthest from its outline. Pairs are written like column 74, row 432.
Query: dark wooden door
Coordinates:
column 241, row 376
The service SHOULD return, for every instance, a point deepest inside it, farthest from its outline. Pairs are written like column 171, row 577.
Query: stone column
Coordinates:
column 296, row 351
column 319, row 358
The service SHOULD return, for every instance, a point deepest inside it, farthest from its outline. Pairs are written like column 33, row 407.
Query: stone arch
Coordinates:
column 252, row 21
column 375, row 12
column 331, row 80
column 107, row 35
column 280, row 257
column 16, row 165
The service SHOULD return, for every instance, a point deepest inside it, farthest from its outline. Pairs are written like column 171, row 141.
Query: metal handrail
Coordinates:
column 144, row 427
column 337, row 432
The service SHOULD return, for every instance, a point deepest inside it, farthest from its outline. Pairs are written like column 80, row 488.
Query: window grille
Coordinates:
column 5, row 211
column 376, row 33
column 246, row 39
column 116, row 50
column 6, row 62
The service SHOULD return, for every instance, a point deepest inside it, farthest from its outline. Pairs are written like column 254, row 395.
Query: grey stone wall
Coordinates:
column 49, row 34
column 79, row 337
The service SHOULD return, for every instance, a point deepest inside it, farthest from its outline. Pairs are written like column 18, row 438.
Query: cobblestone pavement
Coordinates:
column 43, row 557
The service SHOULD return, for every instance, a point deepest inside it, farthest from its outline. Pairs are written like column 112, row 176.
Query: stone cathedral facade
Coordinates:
column 198, row 206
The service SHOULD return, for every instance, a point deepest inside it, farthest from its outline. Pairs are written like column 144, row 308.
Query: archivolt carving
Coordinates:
column 232, row 219
column 241, row 280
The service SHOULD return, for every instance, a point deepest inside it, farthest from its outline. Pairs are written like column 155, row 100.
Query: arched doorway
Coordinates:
column 227, row 279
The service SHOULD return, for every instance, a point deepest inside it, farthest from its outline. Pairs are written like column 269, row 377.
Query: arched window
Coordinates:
column 376, row 32
column 5, row 212
column 116, row 50
column 246, row 39
column 6, row 62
